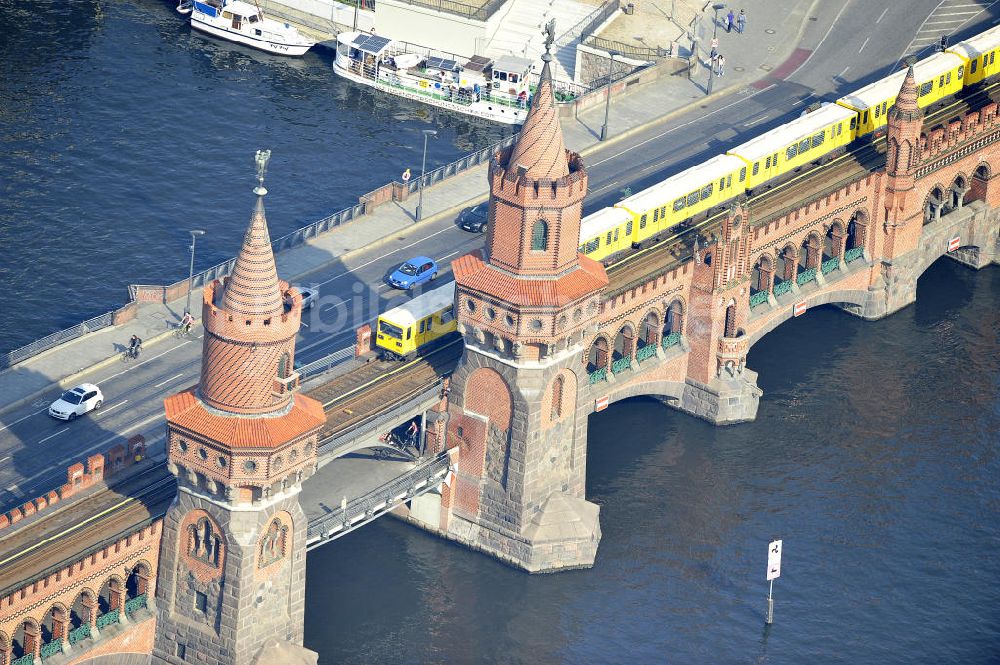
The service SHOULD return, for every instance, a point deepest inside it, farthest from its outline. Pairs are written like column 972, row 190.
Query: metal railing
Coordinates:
column 377, row 502
column 469, row 161
column 673, row 339
column 325, row 364
column 830, row 265
column 598, row 375
column 26, row 659
column 781, row 288
column 645, row 352
column 606, row 11
column 50, row 649
column 853, row 253
column 806, row 276
column 621, row 365
column 628, row 50
column 134, row 604
column 81, row 633
column 476, row 12
column 55, row 339
column 107, row 618
column 758, row 298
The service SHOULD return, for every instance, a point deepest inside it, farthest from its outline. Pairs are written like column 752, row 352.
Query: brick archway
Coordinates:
column 649, row 329
column 599, row 355
column 26, row 639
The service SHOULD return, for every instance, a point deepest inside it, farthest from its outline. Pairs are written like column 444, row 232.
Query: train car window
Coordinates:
column 386, row 328
column 616, row 235
column 947, row 78
column 592, row 246
column 961, row 71
column 864, row 118
column 818, row 139
column 854, row 122
column 756, row 167
column 707, row 192
column 628, row 228
column 767, row 163
column 743, row 174
column 729, row 180
column 884, row 105
column 679, row 204
column 656, row 215
column 663, row 211
column 992, row 55
column 878, row 110
column 791, row 151
column 941, row 81
column 582, row 248
column 642, row 222
column 409, row 332
column 448, row 314
column 607, row 241
column 421, row 328
column 803, row 146
column 925, row 88
column 722, row 184
column 692, row 198
column 840, row 128
column 430, row 322
column 774, row 159
column 972, row 66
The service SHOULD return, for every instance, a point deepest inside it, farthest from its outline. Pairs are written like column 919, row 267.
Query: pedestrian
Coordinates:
column 715, row 48
column 715, row 62
column 722, row 65
column 741, row 22
column 729, row 21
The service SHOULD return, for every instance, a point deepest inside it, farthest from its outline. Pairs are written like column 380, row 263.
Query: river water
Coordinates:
column 120, row 129
column 874, row 455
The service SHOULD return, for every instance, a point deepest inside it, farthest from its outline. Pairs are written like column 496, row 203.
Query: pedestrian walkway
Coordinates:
column 766, row 49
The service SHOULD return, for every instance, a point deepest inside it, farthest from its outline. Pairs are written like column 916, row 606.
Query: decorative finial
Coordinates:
column 696, row 251
column 550, row 36
column 261, row 158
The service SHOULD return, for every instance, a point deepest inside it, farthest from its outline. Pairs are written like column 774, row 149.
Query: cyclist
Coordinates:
column 134, row 347
column 411, row 433
column 186, row 322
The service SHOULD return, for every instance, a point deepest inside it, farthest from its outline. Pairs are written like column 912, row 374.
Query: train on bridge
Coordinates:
column 648, row 216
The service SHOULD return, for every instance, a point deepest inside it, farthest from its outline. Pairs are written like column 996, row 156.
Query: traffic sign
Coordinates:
column 954, row 243
column 601, row 403
column 774, row 560
column 799, row 309
column 406, row 175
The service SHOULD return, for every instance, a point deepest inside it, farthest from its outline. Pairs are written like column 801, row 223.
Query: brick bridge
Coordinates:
column 550, row 337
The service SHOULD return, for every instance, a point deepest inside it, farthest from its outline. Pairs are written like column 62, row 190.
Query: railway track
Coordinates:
column 784, row 196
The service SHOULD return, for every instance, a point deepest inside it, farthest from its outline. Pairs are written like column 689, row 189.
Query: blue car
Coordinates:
column 414, row 272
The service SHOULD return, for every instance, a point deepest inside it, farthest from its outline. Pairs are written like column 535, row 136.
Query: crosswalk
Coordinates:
column 948, row 17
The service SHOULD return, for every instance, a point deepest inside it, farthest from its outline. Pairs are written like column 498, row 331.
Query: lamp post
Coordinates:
column 607, row 103
column 715, row 26
column 194, row 237
column 423, row 166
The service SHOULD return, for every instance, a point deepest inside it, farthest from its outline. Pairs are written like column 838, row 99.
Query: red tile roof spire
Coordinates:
column 540, row 148
column 252, row 287
column 906, row 106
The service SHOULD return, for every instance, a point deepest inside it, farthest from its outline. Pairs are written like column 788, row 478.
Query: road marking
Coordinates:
column 864, row 45
column 303, row 324
column 5, row 459
column 379, row 258
column 35, row 413
column 841, row 74
column 12, row 489
column 882, row 15
column 113, row 406
column 166, row 381
column 756, row 122
column 141, row 363
column 64, row 429
column 816, row 48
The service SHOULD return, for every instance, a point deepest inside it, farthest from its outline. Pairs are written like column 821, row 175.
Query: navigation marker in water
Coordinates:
column 773, row 571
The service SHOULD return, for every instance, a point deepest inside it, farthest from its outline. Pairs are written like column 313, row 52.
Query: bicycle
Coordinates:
column 397, row 445
column 182, row 331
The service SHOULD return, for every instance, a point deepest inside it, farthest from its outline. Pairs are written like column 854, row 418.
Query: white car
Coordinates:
column 309, row 295
column 76, row 402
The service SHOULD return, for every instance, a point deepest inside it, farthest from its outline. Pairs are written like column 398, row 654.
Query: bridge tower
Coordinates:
column 231, row 583
column 524, row 308
column 719, row 387
column 902, row 222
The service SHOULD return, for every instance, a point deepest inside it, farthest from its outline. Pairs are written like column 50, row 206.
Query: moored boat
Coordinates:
column 245, row 23
column 495, row 89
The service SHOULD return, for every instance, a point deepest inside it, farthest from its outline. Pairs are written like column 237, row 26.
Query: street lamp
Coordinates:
column 194, row 237
column 607, row 104
column 423, row 165
column 717, row 6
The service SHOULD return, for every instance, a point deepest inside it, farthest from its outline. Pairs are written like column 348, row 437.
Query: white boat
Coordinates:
column 244, row 23
column 496, row 90
column 185, row 6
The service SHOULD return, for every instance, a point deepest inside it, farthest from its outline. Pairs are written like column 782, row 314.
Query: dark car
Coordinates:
column 416, row 271
column 474, row 218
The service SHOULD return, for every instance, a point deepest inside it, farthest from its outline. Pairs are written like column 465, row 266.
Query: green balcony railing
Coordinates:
column 673, row 339
column 107, row 619
column 830, row 265
column 51, row 649
column 781, row 288
column 134, row 604
column 26, row 659
column 598, row 375
column 81, row 633
column 806, row 276
column 853, row 253
column 647, row 351
column 758, row 298
column 621, row 365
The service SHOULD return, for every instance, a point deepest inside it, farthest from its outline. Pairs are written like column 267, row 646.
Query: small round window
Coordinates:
column 278, row 462
column 183, row 445
column 536, row 324
column 510, row 320
column 202, row 453
column 471, row 304
column 491, row 313
column 308, row 449
column 250, row 466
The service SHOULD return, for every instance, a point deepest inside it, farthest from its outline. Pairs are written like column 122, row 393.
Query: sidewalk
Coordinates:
column 767, row 48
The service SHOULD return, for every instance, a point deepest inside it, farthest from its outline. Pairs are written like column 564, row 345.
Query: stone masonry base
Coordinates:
column 722, row 401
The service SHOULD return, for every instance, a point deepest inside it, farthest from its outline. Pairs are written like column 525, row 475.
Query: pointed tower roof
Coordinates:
column 252, row 288
column 540, row 148
column 906, row 107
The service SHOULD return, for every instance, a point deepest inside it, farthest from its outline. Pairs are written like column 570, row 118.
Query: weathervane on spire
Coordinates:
column 261, row 158
column 550, row 36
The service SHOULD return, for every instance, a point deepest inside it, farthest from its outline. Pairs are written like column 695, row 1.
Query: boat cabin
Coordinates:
column 510, row 76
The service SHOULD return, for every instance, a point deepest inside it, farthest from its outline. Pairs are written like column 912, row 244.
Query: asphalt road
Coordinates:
column 853, row 42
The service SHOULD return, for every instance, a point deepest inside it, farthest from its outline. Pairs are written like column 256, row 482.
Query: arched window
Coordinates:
column 283, row 366
column 557, row 395
column 539, row 236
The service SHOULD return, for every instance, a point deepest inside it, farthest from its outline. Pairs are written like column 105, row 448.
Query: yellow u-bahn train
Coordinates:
column 402, row 330
column 814, row 136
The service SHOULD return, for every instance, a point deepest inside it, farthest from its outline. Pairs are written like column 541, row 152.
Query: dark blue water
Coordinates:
column 874, row 456
column 120, row 130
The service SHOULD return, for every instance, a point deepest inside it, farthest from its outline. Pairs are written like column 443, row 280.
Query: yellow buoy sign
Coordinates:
column 406, row 175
